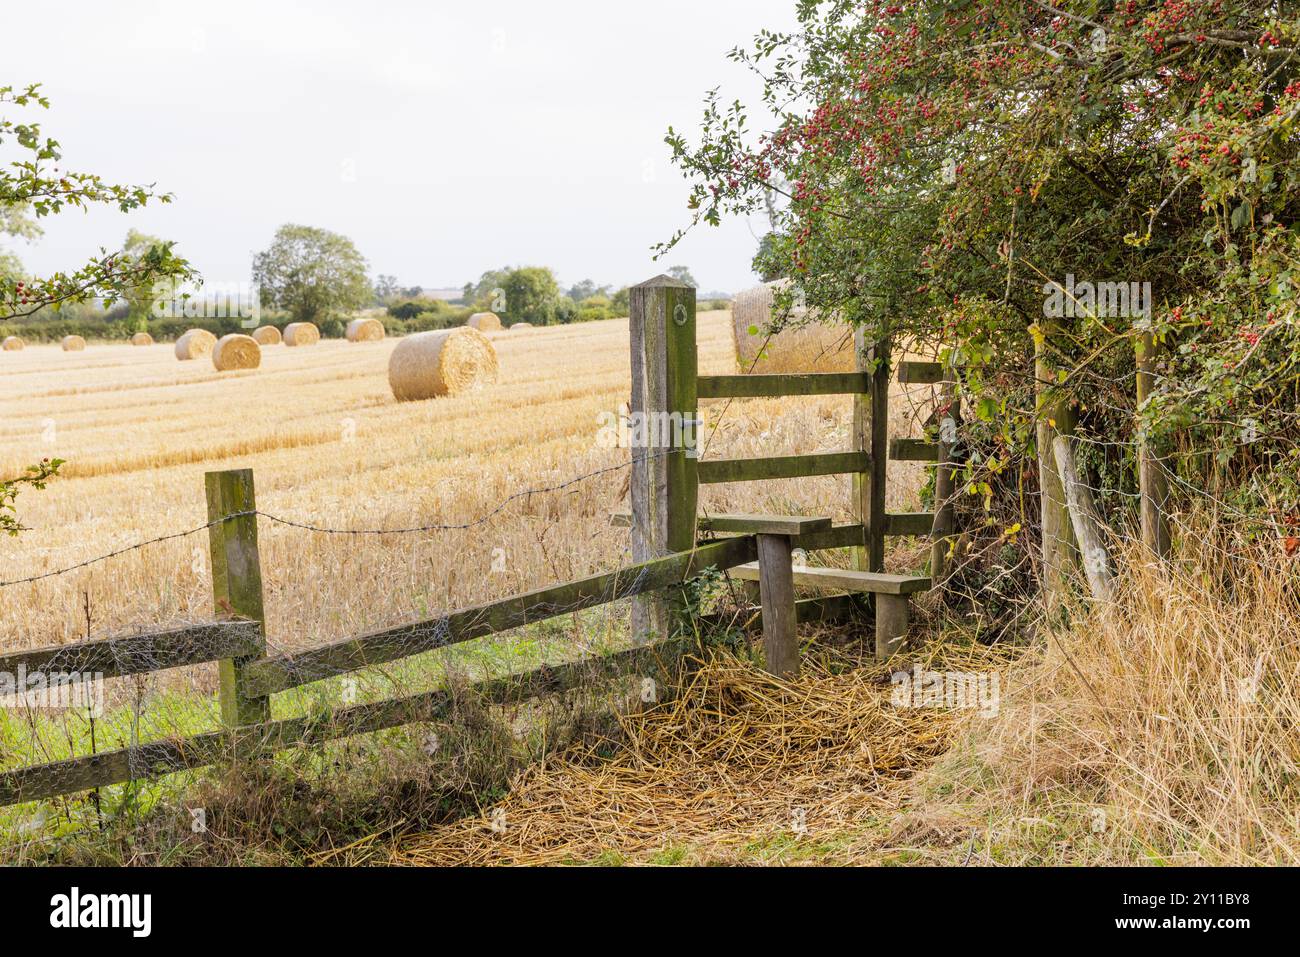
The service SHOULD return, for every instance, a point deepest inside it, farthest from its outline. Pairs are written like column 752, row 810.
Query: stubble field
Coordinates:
column 330, row 447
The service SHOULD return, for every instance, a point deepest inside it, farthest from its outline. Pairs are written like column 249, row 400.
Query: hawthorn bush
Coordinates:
column 943, row 167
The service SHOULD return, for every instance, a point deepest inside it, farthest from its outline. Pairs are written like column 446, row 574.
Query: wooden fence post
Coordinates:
column 1055, row 417
column 871, row 435
column 236, row 584
column 1153, row 482
column 1088, row 528
column 944, row 483
column 776, row 588
column 664, row 486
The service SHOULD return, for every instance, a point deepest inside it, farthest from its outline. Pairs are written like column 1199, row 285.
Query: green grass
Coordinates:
column 169, row 712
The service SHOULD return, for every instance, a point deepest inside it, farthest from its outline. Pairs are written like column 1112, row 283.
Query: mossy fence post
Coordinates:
column 236, row 584
column 871, row 435
column 944, row 477
column 664, row 486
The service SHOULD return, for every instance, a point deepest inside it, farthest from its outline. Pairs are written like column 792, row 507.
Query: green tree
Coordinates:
column 531, row 293
column 489, row 292
column 312, row 273
column 682, row 274
column 140, row 299
column 585, row 290
column 386, row 290
column 37, row 186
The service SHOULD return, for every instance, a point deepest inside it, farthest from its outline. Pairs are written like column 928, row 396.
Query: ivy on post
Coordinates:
column 236, row 584
column 664, row 429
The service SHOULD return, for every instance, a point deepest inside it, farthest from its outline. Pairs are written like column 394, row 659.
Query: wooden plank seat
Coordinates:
column 891, row 596
column 846, row 579
column 748, row 524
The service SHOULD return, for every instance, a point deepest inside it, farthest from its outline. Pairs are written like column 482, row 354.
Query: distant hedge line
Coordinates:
column 168, row 330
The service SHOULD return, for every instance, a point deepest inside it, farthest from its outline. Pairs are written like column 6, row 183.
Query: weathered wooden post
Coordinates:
column 871, row 435
column 1088, row 529
column 236, row 583
column 664, row 428
column 776, row 589
column 1153, row 482
column 1055, row 417
column 944, row 483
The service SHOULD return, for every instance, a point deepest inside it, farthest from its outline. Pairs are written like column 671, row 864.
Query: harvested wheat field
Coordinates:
column 330, row 446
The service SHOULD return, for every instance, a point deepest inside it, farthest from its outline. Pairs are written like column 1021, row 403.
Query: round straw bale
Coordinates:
column 301, row 334
column 267, row 336
column 195, row 343
column 236, row 351
column 447, row 362
column 142, row 339
column 365, row 329
column 521, row 326
column 73, row 344
column 484, row 322
column 12, row 344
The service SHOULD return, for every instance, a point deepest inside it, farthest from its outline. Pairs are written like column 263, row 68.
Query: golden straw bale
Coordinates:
column 194, row 344
column 267, row 336
column 301, row 334
column 142, row 339
column 236, row 351
column 12, row 344
column 448, row 362
column 73, row 344
column 365, row 329
column 485, row 322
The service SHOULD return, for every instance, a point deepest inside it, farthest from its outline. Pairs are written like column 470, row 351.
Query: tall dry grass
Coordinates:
column 1163, row 729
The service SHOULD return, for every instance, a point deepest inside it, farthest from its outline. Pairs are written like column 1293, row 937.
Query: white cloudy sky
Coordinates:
column 444, row 138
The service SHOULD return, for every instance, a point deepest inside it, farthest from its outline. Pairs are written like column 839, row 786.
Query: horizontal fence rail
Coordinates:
column 920, row 373
column 137, row 654
column 759, row 386
column 913, row 450
column 279, row 673
column 158, row 758
column 779, row 467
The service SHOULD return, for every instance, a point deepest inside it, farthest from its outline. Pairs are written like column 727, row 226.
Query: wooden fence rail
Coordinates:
column 137, row 654
column 249, row 678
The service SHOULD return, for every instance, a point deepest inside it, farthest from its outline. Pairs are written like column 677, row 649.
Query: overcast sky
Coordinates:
column 443, row 138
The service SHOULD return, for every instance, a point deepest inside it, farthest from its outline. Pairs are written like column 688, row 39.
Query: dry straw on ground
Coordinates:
column 365, row 329
column 236, row 351
column 142, row 339
column 737, row 757
column 485, row 322
column 12, row 344
column 301, row 334
column 521, row 326
column 450, row 362
column 73, row 344
column 267, row 336
column 195, row 344
column 805, row 345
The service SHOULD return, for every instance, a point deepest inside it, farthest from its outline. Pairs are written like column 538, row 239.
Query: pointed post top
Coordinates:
column 662, row 281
